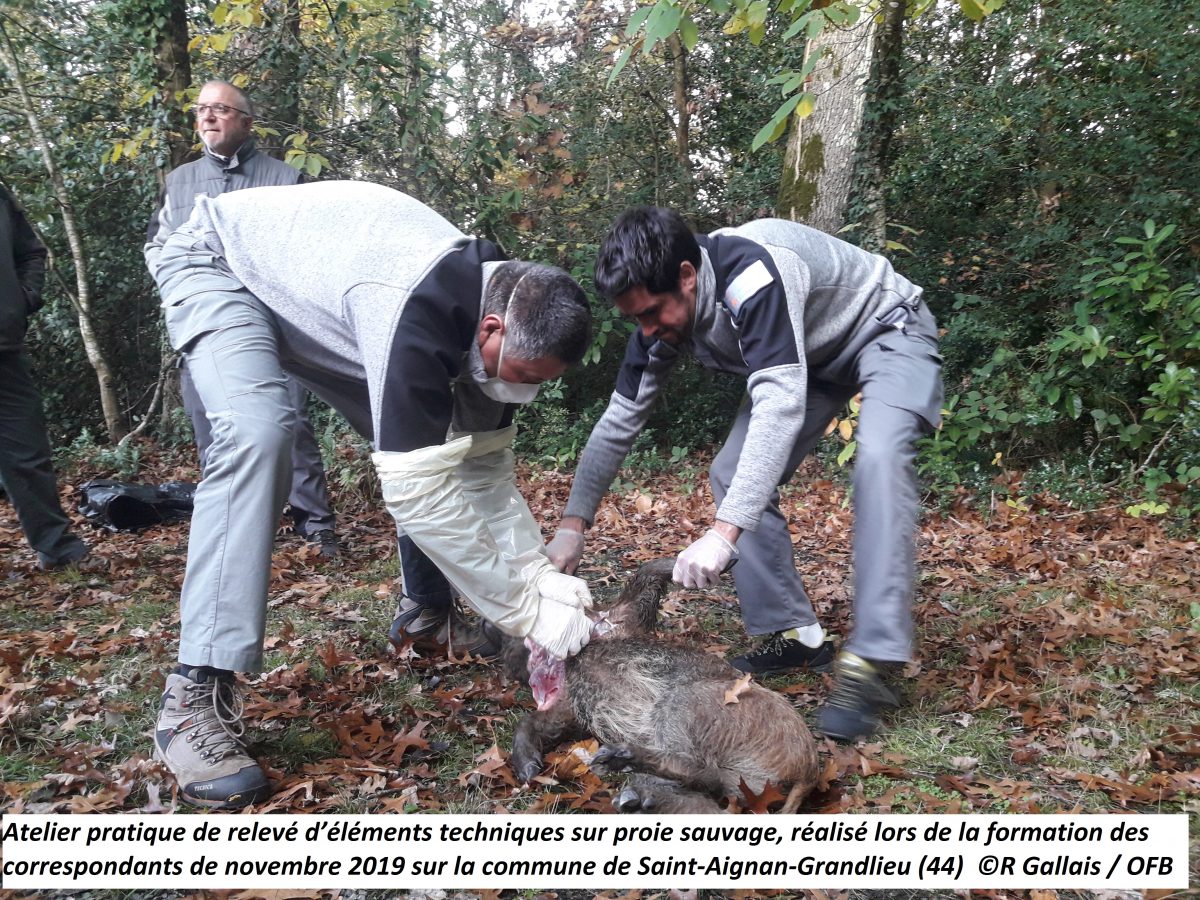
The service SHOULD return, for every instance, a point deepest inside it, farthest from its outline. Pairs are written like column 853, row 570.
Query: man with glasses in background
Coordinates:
column 231, row 162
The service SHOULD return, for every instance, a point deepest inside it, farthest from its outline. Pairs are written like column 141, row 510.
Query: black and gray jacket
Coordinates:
column 210, row 176
column 774, row 301
column 22, row 270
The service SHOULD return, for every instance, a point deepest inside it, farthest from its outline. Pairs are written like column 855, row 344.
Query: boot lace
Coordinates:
column 218, row 728
column 775, row 645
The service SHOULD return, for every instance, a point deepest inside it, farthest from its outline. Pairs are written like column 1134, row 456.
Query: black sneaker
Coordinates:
column 434, row 630
column 778, row 653
column 326, row 540
column 859, row 690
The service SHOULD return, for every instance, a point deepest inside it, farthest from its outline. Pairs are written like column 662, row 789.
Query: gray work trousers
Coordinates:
column 231, row 345
column 899, row 375
column 309, row 497
column 25, row 467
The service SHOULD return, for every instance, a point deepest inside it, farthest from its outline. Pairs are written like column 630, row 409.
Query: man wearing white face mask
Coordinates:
column 422, row 337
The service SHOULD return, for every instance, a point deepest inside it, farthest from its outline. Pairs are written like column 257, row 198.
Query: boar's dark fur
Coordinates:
column 662, row 710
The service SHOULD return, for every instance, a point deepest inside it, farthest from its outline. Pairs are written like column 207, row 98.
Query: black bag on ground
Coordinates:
column 119, row 506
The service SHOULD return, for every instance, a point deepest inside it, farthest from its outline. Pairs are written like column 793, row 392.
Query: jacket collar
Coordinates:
column 239, row 156
column 706, row 296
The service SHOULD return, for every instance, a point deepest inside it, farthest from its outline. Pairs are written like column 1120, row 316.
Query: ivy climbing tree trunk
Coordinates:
column 879, row 126
column 173, row 68
column 173, row 78
column 82, row 300
column 818, row 168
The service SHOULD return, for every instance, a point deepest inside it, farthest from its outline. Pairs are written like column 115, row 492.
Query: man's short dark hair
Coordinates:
column 545, row 310
column 645, row 247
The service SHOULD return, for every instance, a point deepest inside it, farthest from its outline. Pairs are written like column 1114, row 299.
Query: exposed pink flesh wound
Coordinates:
column 548, row 674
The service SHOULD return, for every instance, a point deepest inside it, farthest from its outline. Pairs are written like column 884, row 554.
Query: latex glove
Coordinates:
column 701, row 564
column 565, row 589
column 560, row 629
column 565, row 550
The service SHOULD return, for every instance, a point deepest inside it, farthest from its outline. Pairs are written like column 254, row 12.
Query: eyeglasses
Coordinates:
column 220, row 110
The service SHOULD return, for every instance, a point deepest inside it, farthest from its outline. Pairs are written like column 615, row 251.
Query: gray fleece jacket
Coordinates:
column 367, row 285
column 775, row 300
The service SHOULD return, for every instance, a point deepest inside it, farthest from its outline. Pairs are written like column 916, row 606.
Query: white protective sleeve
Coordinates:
column 425, row 493
column 489, row 481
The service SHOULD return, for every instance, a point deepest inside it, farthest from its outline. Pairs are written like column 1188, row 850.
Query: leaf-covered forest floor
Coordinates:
column 1058, row 664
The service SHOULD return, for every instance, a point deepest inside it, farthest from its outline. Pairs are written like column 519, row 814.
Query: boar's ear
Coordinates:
column 515, row 659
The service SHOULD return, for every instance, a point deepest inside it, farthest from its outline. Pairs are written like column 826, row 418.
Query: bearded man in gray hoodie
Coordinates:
column 809, row 321
column 424, row 339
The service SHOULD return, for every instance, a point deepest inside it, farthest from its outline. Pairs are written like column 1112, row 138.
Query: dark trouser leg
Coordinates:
column 423, row 581
column 309, row 498
column 25, row 466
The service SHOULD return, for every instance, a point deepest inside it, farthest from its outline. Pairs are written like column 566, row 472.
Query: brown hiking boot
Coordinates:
column 199, row 737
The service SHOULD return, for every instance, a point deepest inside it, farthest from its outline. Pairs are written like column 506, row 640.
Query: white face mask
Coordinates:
column 507, row 391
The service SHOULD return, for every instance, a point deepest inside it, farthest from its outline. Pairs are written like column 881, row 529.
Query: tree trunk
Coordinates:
column 683, row 116
column 173, row 67
column 880, row 125
column 818, row 166
column 113, row 419
column 287, row 76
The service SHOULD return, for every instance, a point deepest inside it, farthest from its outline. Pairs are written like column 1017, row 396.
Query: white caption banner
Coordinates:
column 594, row 852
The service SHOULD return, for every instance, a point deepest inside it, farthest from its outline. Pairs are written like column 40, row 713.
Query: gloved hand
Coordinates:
column 554, row 585
column 561, row 629
column 701, row 564
column 565, row 550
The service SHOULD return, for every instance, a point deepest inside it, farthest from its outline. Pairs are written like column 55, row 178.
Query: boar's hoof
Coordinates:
column 526, row 767
column 610, row 759
column 631, row 800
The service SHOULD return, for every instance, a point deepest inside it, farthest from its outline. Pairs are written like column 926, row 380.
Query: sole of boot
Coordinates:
column 845, row 735
column 257, row 796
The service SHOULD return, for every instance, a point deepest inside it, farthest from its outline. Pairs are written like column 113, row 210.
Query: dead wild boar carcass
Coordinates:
column 685, row 720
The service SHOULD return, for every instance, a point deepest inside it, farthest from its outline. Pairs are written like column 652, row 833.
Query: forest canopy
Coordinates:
column 1032, row 165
